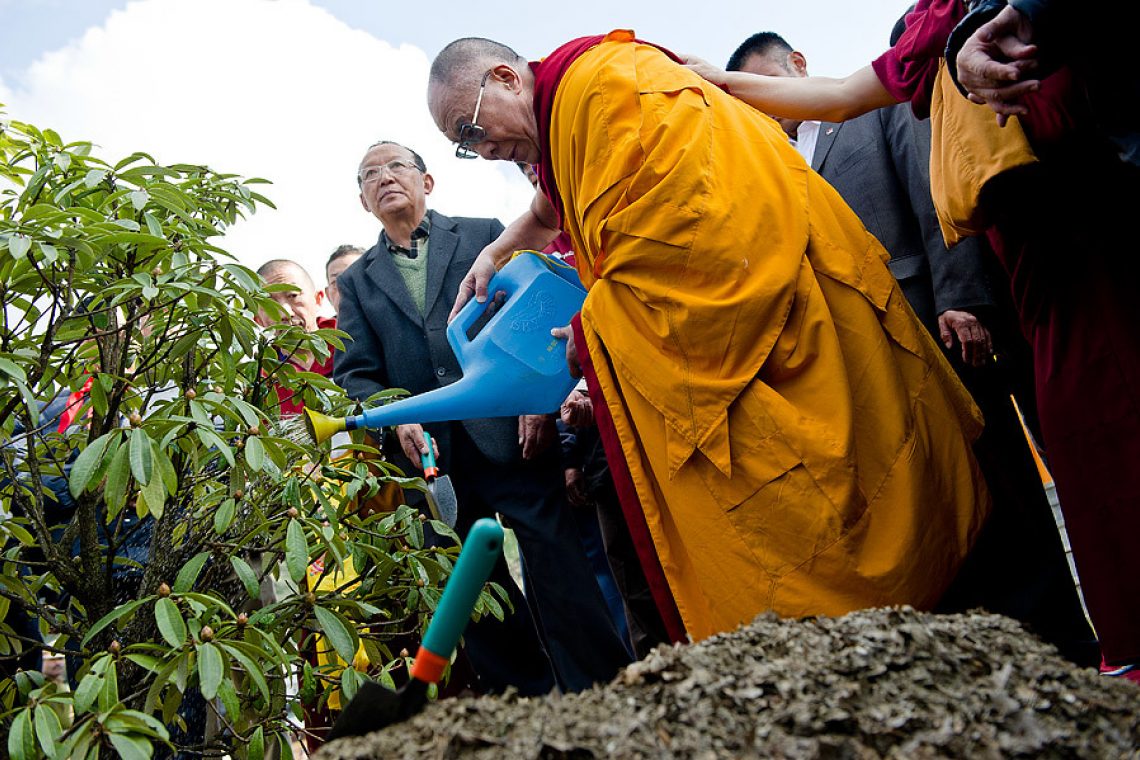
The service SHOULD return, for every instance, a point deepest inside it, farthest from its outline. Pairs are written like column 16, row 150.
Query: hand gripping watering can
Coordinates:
column 511, row 365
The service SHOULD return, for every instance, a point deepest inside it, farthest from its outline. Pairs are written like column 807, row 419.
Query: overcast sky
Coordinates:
column 295, row 90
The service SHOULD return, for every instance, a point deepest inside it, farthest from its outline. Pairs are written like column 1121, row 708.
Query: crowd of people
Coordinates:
column 835, row 331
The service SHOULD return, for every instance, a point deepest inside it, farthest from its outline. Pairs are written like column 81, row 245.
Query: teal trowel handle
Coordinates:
column 481, row 550
column 431, row 470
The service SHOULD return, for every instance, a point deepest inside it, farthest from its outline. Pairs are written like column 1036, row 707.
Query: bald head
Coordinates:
column 466, row 59
column 285, row 270
column 480, row 94
column 302, row 306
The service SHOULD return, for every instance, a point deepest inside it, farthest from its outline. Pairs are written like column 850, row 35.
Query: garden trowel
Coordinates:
column 441, row 493
column 374, row 707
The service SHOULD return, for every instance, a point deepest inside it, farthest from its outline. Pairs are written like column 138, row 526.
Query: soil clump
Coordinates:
column 886, row 683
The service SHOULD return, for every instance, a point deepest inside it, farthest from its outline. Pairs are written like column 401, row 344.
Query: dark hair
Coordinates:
column 415, row 156
column 900, row 25
column 341, row 251
column 761, row 43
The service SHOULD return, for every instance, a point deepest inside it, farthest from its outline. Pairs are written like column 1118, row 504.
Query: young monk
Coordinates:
column 788, row 435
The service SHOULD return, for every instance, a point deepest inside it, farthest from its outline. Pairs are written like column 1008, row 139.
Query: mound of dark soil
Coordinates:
column 878, row 683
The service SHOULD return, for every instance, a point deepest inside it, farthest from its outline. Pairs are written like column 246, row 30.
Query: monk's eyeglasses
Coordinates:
column 472, row 134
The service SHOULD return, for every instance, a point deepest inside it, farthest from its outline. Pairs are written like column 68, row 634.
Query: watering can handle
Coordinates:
column 473, row 310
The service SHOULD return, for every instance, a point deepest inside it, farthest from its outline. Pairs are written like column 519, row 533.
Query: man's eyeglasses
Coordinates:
column 396, row 167
column 472, row 134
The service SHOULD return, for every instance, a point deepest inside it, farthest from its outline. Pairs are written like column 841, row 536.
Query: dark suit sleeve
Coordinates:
column 359, row 369
column 957, row 275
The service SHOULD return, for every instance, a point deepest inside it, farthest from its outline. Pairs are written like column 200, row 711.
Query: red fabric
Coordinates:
column 74, row 403
column 291, row 405
column 627, row 494
column 548, row 74
column 1068, row 251
column 908, row 69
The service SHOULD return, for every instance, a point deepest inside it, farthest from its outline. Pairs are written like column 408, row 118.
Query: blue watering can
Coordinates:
column 511, row 365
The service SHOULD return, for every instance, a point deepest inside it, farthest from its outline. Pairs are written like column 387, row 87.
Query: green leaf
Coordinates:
column 296, row 550
column 139, row 199
column 118, row 476
column 50, row 253
column 350, row 681
column 224, row 516
column 142, row 456
column 170, row 622
column 21, row 737
column 131, row 747
column 94, row 177
column 112, row 616
column 252, row 669
column 88, row 462
column 340, row 632
column 109, row 694
column 91, row 685
column 256, row 745
column 166, row 471
column 18, row 245
column 229, row 699
column 10, row 368
column 210, row 438
column 189, row 572
column 146, row 661
column 48, row 728
column 246, row 575
column 210, row 669
column 153, row 496
column 254, row 453
column 152, row 225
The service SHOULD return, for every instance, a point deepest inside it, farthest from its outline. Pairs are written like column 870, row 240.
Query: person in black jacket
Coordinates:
column 394, row 303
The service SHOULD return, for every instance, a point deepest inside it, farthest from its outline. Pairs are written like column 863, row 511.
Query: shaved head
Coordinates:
column 467, row 58
column 475, row 73
column 284, row 270
column 302, row 305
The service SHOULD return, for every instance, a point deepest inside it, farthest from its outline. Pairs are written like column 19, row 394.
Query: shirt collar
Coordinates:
column 419, row 233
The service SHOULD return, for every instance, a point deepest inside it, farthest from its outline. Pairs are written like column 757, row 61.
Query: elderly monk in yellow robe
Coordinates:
column 795, row 440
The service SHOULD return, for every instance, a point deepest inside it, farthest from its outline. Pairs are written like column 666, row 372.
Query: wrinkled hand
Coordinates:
column 577, row 410
column 576, row 487
column 996, row 64
column 706, row 70
column 567, row 333
column 411, row 438
column 536, row 433
column 977, row 343
column 475, row 283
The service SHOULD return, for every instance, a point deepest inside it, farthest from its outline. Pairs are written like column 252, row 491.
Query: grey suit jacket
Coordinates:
column 394, row 346
column 880, row 164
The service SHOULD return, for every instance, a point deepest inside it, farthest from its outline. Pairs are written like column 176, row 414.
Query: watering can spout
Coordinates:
column 322, row 427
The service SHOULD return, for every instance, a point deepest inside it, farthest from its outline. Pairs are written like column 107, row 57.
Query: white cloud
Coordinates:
column 277, row 89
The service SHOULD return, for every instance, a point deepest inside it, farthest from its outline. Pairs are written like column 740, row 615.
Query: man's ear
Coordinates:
column 321, row 296
column 797, row 63
column 507, row 74
column 429, row 183
column 364, row 202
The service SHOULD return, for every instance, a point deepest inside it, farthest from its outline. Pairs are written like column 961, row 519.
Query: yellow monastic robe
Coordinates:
column 797, row 441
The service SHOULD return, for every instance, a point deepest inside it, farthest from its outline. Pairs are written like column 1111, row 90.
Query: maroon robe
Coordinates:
column 1063, row 230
